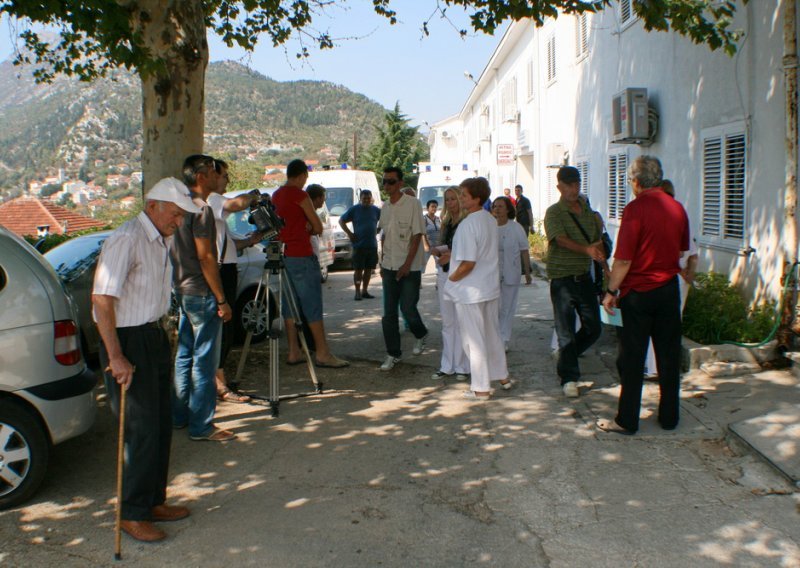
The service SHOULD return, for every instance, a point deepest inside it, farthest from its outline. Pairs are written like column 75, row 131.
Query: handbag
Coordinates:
column 598, row 267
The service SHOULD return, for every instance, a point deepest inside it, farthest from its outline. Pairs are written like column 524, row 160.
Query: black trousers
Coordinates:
column 148, row 418
column 228, row 275
column 573, row 296
column 656, row 314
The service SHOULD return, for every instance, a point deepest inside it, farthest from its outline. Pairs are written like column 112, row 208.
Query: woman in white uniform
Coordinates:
column 454, row 360
column 514, row 259
column 475, row 288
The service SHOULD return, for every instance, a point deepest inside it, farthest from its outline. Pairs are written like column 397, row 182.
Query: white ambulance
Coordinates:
column 434, row 178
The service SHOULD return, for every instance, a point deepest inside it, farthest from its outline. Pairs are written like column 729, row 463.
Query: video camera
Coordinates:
column 263, row 216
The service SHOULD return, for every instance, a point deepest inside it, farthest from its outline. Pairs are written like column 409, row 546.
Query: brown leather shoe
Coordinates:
column 143, row 530
column 164, row 513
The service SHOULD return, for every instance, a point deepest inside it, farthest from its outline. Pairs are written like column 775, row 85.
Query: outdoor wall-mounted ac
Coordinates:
column 629, row 116
column 556, row 155
column 444, row 134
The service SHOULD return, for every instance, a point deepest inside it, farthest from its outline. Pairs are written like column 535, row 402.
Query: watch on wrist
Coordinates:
column 612, row 292
column 222, row 302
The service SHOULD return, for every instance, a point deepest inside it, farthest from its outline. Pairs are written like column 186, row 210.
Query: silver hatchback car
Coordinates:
column 46, row 390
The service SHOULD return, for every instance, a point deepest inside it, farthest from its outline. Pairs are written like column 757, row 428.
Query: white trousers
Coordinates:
column 454, row 360
column 480, row 336
column 509, row 293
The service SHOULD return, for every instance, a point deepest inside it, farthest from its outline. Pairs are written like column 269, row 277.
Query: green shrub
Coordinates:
column 716, row 312
column 538, row 241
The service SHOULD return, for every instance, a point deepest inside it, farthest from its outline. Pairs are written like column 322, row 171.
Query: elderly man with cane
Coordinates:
column 131, row 294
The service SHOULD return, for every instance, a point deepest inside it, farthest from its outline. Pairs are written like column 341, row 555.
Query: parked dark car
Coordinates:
column 75, row 262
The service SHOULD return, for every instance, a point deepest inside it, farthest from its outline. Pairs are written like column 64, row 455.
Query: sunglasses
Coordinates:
column 390, row 181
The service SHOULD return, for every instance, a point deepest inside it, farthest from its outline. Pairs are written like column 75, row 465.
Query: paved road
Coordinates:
column 394, row 469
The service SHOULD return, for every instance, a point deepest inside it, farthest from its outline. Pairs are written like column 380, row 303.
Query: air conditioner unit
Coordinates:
column 629, row 116
column 556, row 154
column 444, row 134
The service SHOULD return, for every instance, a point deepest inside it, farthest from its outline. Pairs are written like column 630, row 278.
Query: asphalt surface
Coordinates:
column 395, row 469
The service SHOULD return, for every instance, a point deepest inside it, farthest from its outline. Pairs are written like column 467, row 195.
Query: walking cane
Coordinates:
column 120, row 459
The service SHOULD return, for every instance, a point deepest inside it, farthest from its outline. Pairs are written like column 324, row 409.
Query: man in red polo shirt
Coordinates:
column 302, row 267
column 644, row 284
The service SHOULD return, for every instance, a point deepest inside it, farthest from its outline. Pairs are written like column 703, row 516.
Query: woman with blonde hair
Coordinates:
column 474, row 286
column 454, row 360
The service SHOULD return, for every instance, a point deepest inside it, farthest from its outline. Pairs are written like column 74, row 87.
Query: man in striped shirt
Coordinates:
column 130, row 295
column 573, row 237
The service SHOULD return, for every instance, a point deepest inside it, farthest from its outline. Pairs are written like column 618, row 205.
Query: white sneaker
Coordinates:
column 570, row 389
column 419, row 345
column 462, row 376
column 440, row 375
column 389, row 363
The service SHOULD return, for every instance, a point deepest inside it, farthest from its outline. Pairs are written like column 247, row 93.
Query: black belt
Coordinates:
column 149, row 325
column 585, row 277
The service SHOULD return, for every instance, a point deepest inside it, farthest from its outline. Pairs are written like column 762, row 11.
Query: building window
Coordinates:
column 583, row 168
column 626, row 14
column 581, row 35
column 531, row 79
column 509, row 95
column 551, row 58
column 551, row 194
column 617, row 185
column 724, row 184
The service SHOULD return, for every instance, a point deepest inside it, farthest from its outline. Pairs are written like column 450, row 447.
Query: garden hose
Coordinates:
column 778, row 313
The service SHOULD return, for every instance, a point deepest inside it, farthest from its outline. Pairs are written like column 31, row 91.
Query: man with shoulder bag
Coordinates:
column 574, row 241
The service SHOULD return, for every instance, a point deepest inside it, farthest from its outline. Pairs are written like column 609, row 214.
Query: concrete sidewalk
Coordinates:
column 395, row 469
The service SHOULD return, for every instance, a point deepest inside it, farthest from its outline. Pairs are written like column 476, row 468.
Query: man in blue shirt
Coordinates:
column 364, row 218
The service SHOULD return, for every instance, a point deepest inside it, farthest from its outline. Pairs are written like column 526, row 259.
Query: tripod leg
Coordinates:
column 260, row 299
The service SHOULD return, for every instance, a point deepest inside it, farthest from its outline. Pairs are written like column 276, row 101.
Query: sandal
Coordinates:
column 229, row 396
column 215, row 435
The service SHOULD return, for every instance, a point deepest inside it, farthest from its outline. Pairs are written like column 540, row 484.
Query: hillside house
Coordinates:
column 26, row 215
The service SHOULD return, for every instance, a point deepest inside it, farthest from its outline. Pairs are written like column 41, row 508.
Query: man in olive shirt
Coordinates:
column 573, row 236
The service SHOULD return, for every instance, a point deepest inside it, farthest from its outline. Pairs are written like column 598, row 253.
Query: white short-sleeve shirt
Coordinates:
column 134, row 268
column 400, row 222
column 476, row 240
column 217, row 204
column 511, row 240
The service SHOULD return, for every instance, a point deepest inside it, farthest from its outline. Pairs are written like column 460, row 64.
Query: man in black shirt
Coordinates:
column 523, row 207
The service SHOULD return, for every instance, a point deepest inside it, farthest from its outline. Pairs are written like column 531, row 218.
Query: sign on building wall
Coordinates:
column 505, row 154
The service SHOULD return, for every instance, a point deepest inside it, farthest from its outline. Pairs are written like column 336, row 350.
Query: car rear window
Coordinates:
column 73, row 257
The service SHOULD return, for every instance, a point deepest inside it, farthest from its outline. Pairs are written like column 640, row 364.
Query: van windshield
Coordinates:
column 338, row 199
column 432, row 192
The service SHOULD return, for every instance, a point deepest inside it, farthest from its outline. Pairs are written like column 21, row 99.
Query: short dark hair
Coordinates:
column 431, row 202
column 568, row 174
column 512, row 212
column 220, row 165
column 296, row 168
column 315, row 190
column 365, row 192
column 394, row 170
column 518, row 186
column 193, row 165
column 477, row 187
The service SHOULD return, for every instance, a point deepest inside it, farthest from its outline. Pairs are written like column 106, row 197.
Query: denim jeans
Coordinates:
column 571, row 297
column 404, row 292
column 195, row 391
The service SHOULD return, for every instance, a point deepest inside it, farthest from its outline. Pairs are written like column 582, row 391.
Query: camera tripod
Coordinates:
column 275, row 266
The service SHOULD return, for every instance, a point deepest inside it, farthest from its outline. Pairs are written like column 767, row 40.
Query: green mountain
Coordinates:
column 87, row 128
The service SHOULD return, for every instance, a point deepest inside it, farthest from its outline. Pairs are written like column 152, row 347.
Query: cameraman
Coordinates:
column 302, row 267
column 228, row 248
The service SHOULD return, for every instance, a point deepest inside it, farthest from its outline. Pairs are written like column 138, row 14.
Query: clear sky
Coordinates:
column 384, row 62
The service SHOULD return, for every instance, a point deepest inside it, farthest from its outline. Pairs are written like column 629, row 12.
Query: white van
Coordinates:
column 435, row 178
column 342, row 190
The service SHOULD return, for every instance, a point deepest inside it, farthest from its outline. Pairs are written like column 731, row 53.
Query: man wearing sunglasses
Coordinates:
column 401, row 266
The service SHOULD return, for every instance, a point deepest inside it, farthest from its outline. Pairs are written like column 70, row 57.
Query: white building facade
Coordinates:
column 717, row 123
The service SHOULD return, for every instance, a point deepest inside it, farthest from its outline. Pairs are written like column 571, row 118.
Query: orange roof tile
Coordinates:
column 24, row 214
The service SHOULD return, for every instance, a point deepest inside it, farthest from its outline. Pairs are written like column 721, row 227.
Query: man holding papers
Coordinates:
column 644, row 285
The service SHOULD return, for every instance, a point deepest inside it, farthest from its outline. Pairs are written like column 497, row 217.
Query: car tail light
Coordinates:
column 66, row 344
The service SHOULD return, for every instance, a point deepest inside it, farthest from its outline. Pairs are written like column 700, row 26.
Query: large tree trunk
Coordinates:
column 173, row 95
